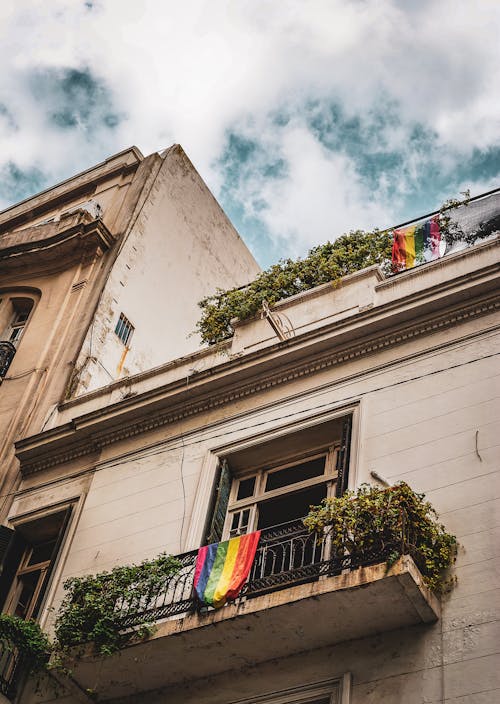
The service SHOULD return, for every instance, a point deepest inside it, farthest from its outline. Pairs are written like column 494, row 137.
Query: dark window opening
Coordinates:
column 31, row 564
column 246, row 488
column 297, row 473
column 289, row 507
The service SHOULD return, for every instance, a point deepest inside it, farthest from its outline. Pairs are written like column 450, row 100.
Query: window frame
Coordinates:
column 260, row 495
column 338, row 690
column 47, row 568
column 249, row 439
column 124, row 325
column 19, row 317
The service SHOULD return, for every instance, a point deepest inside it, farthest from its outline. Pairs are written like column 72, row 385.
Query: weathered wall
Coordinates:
column 428, row 414
column 65, row 281
column 180, row 248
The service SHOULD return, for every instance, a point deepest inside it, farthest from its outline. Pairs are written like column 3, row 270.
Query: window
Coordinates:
column 29, row 560
column 14, row 316
column 124, row 329
column 276, row 495
column 275, row 482
column 336, row 691
column 21, row 309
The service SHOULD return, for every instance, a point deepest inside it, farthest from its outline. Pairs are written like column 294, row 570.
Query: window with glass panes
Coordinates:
column 278, row 494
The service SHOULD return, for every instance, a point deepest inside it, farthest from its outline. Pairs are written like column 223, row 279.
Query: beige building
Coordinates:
column 95, row 273
column 378, row 380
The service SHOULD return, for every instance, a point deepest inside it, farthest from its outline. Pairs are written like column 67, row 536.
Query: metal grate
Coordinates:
column 287, row 555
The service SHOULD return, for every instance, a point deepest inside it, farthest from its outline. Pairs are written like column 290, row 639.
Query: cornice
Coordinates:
column 33, row 248
column 81, row 184
column 82, row 436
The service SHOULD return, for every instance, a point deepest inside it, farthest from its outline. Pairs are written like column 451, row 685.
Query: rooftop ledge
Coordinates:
column 355, row 604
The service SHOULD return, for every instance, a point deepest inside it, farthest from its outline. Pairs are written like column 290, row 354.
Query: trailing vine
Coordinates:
column 326, row 263
column 93, row 607
column 26, row 640
column 387, row 523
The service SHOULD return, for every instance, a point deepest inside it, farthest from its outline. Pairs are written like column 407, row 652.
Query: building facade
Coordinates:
column 380, row 380
column 94, row 273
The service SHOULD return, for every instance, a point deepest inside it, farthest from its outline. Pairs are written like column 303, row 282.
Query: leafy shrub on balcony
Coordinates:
column 25, row 641
column 387, row 523
column 326, row 263
column 93, row 607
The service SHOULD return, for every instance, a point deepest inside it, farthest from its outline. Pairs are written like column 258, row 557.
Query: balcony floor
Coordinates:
column 356, row 604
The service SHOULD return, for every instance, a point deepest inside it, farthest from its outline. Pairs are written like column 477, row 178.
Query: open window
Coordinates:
column 29, row 559
column 14, row 315
column 275, row 482
column 20, row 311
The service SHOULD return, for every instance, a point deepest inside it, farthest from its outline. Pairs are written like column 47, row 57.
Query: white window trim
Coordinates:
column 213, row 457
column 329, row 477
column 308, row 693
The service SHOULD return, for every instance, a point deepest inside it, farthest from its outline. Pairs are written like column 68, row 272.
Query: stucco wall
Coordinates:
column 427, row 412
column 180, row 248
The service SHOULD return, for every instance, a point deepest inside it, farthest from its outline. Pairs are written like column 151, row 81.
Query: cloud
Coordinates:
column 354, row 112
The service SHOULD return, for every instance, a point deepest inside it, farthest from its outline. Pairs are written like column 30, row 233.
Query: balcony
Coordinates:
column 298, row 597
column 7, row 352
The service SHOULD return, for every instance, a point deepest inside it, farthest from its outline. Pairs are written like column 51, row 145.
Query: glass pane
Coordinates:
column 297, row 473
column 42, row 552
column 245, row 518
column 29, row 584
column 290, row 507
column 246, row 488
column 235, row 521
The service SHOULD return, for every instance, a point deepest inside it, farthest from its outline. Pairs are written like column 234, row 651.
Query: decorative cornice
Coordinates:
column 81, row 184
column 35, row 457
column 74, row 235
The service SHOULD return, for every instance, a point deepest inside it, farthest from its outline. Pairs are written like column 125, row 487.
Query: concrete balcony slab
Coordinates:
column 359, row 603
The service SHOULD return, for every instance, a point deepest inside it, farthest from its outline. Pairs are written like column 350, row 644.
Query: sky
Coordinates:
column 306, row 118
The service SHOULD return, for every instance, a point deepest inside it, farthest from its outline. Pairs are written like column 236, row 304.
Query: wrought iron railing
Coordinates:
column 287, row 555
column 7, row 352
column 11, row 667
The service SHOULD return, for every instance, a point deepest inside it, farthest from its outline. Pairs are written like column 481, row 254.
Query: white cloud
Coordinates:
column 190, row 71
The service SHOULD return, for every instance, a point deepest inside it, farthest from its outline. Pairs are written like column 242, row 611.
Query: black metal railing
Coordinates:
column 287, row 555
column 11, row 667
column 7, row 352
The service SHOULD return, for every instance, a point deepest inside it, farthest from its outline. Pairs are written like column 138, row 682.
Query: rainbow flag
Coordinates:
column 222, row 569
column 416, row 244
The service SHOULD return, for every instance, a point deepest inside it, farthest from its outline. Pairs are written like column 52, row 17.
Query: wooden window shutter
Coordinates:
column 12, row 546
column 219, row 504
column 343, row 457
column 53, row 557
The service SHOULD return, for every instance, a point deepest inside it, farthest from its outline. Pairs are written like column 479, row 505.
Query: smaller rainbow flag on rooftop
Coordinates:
column 222, row 568
column 416, row 244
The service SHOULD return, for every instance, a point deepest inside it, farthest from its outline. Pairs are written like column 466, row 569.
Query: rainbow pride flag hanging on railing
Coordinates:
column 222, row 568
column 416, row 244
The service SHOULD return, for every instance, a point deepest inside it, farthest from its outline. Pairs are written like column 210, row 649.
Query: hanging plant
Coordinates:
column 327, row 263
column 25, row 641
column 387, row 523
column 93, row 607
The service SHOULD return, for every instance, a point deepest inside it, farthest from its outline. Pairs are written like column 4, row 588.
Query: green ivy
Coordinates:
column 327, row 263
column 93, row 606
column 25, row 638
column 387, row 522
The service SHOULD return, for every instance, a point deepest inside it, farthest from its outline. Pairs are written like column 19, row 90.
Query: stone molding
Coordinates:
column 42, row 451
column 74, row 236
